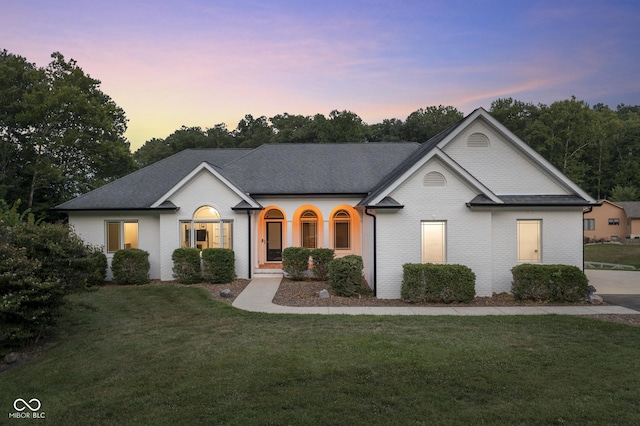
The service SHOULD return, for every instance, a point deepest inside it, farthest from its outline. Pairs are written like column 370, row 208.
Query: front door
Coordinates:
column 274, row 241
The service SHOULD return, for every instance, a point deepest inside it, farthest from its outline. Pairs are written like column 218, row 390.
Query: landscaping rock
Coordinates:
column 594, row 299
column 323, row 294
column 11, row 357
column 226, row 293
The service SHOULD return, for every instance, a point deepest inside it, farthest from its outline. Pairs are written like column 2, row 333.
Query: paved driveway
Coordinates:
column 620, row 288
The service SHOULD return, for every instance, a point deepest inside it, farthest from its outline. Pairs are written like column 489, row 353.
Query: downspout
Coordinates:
column 375, row 252
column 589, row 209
column 249, row 236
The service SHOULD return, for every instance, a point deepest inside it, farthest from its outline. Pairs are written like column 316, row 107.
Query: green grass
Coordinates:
column 613, row 253
column 161, row 355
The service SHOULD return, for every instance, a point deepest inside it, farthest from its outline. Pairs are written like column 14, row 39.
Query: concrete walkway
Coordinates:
column 257, row 297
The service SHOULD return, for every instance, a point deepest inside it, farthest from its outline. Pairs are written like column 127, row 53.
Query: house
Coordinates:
column 611, row 221
column 632, row 211
column 474, row 194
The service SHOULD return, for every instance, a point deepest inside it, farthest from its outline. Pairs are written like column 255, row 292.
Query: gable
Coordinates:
column 499, row 164
column 497, row 160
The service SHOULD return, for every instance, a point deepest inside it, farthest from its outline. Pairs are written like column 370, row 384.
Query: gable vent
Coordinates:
column 433, row 179
column 478, row 140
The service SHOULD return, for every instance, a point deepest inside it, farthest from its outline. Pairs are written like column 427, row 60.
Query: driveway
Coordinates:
column 620, row 288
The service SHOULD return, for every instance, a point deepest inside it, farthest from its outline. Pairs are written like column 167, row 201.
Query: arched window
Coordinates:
column 206, row 230
column 309, row 229
column 342, row 230
column 274, row 214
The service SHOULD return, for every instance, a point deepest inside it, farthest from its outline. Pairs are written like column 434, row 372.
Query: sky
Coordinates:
column 174, row 63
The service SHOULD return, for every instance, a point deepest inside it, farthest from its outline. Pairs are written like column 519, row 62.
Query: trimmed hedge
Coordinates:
column 130, row 266
column 320, row 258
column 295, row 262
column 427, row 282
column 346, row 278
column 186, row 265
column 552, row 283
column 218, row 265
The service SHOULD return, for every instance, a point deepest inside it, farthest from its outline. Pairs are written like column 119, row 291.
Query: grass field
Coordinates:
column 161, row 355
column 613, row 253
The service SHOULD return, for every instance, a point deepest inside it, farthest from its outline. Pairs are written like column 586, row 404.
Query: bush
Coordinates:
column 345, row 276
column 320, row 258
column 28, row 304
column 219, row 265
column 186, row 265
column 552, row 283
column 62, row 254
column 427, row 282
column 295, row 262
column 130, row 266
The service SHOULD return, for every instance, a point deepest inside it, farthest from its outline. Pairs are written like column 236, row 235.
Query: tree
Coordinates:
column 624, row 193
column 423, row 124
column 253, row 132
column 515, row 115
column 66, row 136
column 563, row 134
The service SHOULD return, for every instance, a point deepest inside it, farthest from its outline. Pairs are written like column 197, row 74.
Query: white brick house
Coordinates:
column 474, row 195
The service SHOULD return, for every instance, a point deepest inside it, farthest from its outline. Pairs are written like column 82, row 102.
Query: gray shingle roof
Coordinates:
column 531, row 200
column 631, row 208
column 139, row 190
column 287, row 169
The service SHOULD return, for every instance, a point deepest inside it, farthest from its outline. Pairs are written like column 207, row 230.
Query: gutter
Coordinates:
column 375, row 252
column 249, row 236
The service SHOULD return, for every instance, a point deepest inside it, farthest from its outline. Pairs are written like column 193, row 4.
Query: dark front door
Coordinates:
column 274, row 241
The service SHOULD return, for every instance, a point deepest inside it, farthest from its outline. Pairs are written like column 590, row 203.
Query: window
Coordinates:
column 308, row 231
column 614, row 221
column 529, row 236
column 434, row 242
column 589, row 224
column 206, row 230
column 121, row 235
column 342, row 230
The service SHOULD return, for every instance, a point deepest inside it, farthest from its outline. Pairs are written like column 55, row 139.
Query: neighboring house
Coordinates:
column 610, row 221
column 474, row 194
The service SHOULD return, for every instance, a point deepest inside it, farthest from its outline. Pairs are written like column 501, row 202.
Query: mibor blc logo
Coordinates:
column 27, row 409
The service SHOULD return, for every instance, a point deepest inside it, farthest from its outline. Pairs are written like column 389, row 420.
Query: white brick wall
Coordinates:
column 501, row 167
column 204, row 190
column 90, row 226
column 399, row 233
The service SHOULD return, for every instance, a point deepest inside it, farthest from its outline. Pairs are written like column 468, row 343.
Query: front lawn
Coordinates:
column 613, row 253
column 161, row 355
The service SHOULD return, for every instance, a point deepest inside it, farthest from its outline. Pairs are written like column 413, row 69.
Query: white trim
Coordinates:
column 538, row 159
column 204, row 166
column 448, row 161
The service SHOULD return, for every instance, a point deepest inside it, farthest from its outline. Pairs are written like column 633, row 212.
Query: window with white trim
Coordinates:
column 121, row 234
column 434, row 242
column 206, row 230
column 342, row 230
column 529, row 235
column 309, row 229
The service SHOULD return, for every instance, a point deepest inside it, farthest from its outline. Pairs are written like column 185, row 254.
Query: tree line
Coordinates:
column 61, row 136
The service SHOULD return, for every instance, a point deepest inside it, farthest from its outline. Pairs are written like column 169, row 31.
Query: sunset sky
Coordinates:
column 170, row 63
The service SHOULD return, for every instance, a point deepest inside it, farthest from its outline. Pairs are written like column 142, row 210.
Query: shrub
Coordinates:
column 345, row 276
column 321, row 257
column 28, row 304
column 186, row 265
column 553, row 283
column 62, row 254
column 219, row 265
column 295, row 262
column 427, row 282
column 130, row 266
column 39, row 264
